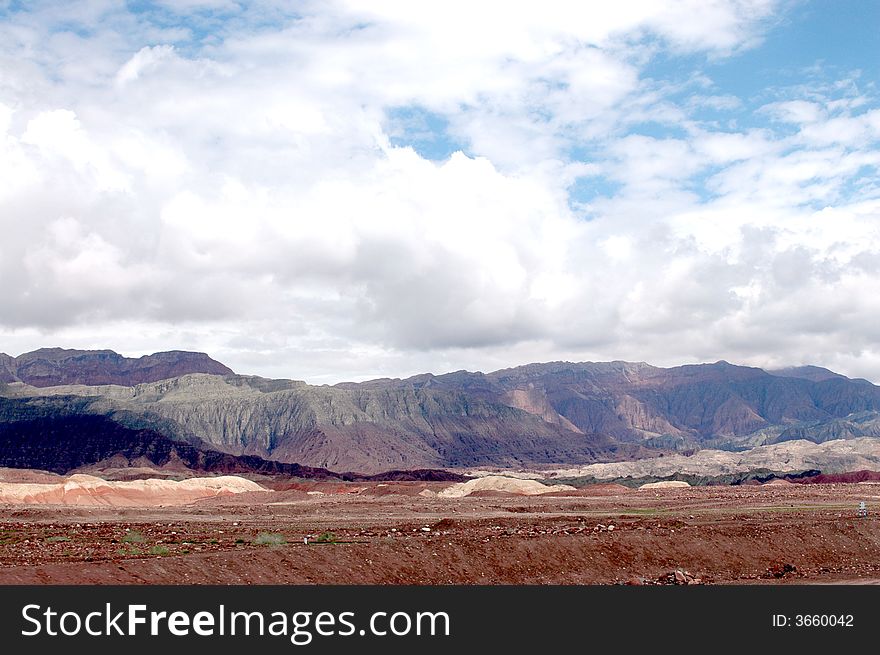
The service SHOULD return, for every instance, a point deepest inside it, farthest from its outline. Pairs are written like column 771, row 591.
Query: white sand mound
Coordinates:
column 89, row 490
column 501, row 483
column 665, row 484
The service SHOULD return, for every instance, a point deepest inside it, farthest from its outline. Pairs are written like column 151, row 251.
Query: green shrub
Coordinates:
column 55, row 540
column 133, row 537
column 131, row 551
column 325, row 538
column 270, row 539
column 159, row 550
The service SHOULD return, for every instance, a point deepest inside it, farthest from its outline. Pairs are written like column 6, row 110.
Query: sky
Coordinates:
column 345, row 190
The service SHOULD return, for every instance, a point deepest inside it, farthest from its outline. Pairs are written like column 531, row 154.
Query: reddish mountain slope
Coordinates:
column 50, row 367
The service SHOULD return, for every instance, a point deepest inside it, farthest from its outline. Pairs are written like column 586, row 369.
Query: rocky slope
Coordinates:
column 831, row 457
column 63, row 434
column 369, row 429
column 698, row 405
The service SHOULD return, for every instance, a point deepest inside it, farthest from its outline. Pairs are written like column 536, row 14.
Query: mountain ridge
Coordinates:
column 47, row 367
column 538, row 414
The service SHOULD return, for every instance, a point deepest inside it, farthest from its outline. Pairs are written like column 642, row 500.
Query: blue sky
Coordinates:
column 814, row 44
column 342, row 190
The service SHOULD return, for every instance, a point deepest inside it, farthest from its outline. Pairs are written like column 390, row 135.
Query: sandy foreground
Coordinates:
column 93, row 491
column 413, row 533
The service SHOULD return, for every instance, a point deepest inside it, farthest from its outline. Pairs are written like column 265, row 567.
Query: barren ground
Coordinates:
column 718, row 534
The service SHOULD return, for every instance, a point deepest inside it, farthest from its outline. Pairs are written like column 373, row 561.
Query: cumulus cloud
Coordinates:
column 237, row 178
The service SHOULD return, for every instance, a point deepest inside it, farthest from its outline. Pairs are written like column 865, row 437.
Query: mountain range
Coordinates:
column 182, row 405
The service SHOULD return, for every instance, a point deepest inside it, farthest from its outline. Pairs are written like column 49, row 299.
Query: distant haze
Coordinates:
column 341, row 190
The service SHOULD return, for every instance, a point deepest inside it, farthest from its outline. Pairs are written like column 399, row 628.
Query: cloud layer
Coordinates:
column 342, row 192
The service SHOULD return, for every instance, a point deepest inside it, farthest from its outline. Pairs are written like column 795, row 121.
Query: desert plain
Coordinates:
column 499, row 531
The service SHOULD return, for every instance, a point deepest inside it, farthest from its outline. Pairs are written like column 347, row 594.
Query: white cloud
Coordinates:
column 146, row 59
column 58, row 134
column 844, row 130
column 796, row 111
column 231, row 186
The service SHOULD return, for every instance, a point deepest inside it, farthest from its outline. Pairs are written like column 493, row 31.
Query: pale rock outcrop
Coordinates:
column 501, row 483
column 89, row 490
column 665, row 484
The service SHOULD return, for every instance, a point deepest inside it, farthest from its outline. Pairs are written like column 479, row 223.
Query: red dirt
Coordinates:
column 598, row 489
column 838, row 478
column 806, row 533
column 28, row 476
